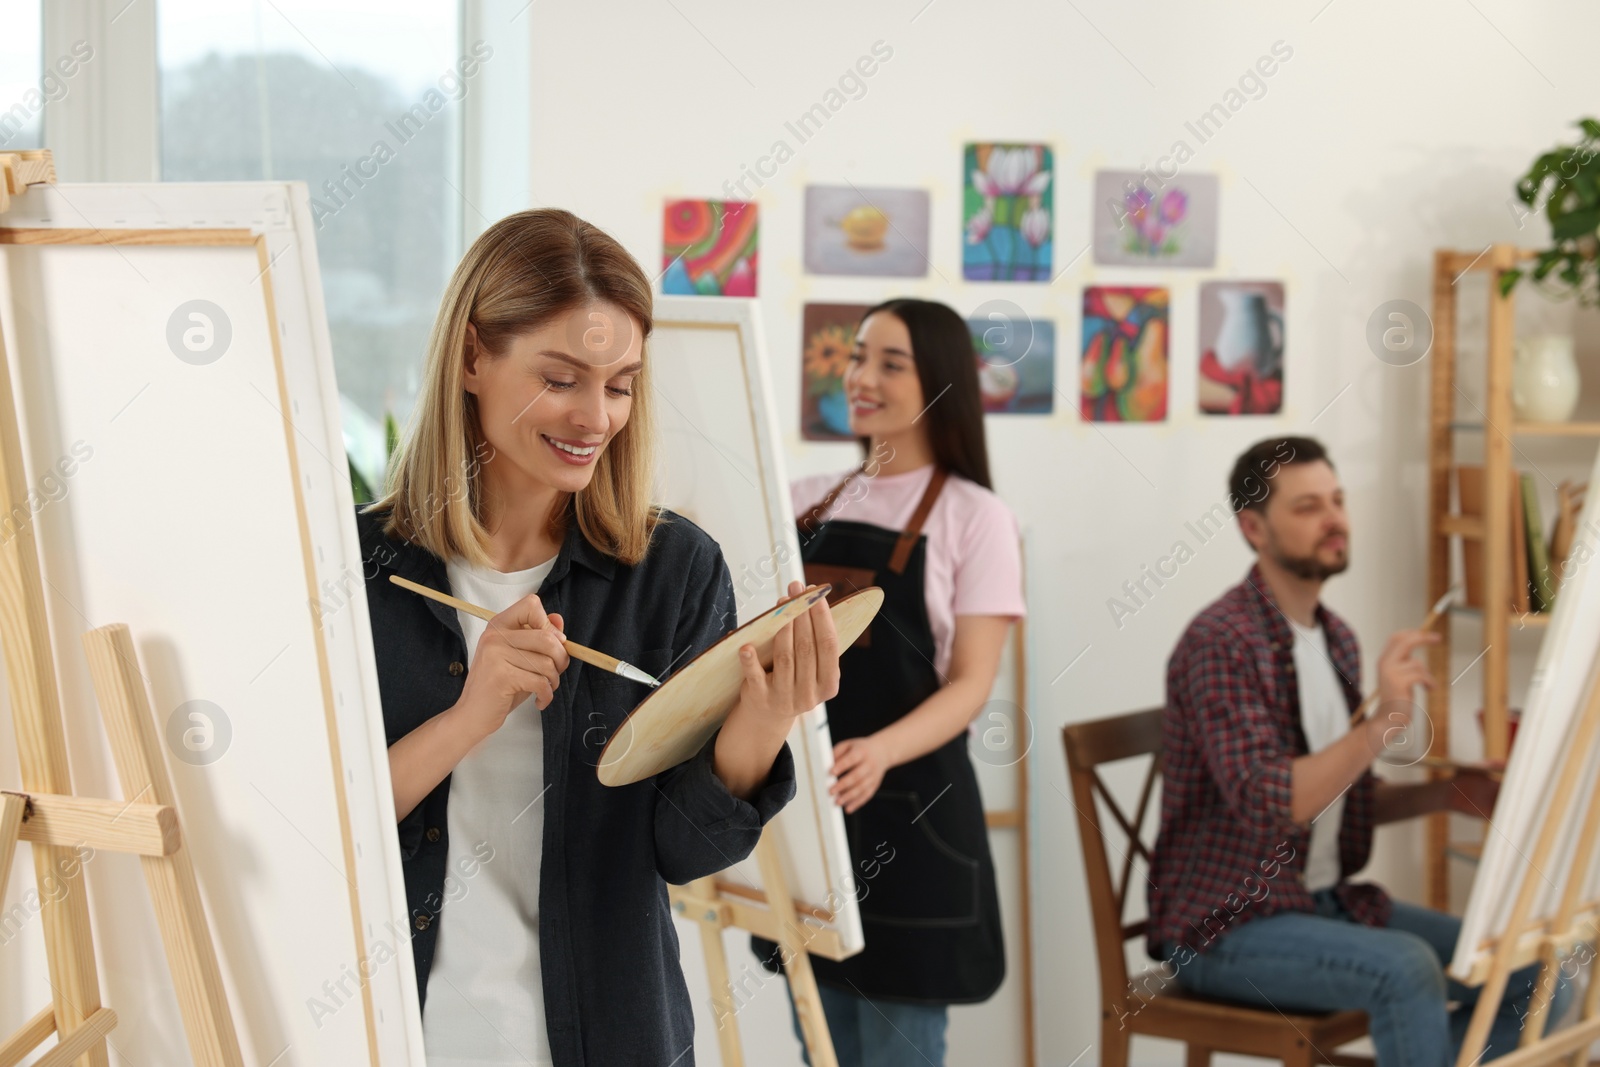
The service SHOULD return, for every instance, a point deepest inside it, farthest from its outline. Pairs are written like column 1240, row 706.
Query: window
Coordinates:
column 23, row 88
column 360, row 99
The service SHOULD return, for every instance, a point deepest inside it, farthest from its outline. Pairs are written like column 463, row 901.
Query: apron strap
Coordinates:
column 809, row 521
column 908, row 539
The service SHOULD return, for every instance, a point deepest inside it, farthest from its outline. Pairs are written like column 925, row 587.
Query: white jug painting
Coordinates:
column 1241, row 348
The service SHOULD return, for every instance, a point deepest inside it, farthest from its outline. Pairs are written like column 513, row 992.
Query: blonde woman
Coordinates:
column 541, row 931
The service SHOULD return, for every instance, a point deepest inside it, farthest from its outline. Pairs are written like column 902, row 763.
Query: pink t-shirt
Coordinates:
column 974, row 561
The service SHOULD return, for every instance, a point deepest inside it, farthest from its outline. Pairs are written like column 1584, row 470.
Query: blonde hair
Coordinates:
column 524, row 271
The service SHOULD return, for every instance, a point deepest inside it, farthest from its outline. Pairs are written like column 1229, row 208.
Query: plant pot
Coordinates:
column 1544, row 379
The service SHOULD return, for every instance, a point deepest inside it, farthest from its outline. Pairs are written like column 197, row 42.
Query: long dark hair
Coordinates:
column 947, row 367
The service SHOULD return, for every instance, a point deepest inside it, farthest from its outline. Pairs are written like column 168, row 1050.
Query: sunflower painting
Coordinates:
column 1124, row 354
column 827, row 333
column 708, row 248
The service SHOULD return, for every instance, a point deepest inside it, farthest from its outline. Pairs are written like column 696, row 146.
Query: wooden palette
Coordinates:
column 675, row 721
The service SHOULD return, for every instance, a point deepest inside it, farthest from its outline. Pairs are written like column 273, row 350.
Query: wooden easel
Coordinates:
column 55, row 822
column 1548, row 940
column 716, row 904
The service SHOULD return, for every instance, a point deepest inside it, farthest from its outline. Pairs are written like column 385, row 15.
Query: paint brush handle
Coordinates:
column 1427, row 624
column 575, row 650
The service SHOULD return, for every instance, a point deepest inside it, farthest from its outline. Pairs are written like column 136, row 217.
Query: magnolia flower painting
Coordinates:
column 1142, row 219
column 1007, row 212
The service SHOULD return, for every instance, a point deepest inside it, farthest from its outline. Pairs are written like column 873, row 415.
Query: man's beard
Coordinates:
column 1308, row 567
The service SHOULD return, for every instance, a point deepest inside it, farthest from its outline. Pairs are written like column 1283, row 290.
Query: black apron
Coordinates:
column 919, row 848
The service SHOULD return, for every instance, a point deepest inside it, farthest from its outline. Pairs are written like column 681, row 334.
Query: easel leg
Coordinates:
column 191, row 957
column 1591, row 1003
column 722, row 1006
column 796, row 961
column 1533, row 1023
column 12, row 805
column 42, row 746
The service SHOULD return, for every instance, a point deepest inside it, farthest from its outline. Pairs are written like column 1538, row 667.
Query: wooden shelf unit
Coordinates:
column 1498, row 424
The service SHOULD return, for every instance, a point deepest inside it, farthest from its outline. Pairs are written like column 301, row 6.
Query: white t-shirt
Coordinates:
column 1325, row 717
column 485, row 1005
column 973, row 559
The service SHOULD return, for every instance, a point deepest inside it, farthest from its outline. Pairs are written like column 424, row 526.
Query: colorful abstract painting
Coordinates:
column 1124, row 354
column 1241, row 348
column 1007, row 213
column 1144, row 220
column 1016, row 366
column 827, row 334
column 708, row 248
column 866, row 231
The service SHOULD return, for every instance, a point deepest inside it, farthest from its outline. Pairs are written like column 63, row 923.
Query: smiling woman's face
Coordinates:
column 554, row 399
column 881, row 380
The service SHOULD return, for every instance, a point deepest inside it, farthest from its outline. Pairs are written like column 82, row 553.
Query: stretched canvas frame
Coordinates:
column 717, row 412
column 293, row 839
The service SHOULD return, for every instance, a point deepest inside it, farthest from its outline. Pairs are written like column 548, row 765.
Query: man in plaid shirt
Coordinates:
column 1269, row 799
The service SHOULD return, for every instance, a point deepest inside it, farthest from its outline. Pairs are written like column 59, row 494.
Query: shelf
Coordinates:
column 1557, row 429
column 1537, row 429
column 1533, row 620
column 1500, row 434
column 1459, row 263
column 1468, row 526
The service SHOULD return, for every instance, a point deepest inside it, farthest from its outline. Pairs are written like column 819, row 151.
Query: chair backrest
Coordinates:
column 1089, row 746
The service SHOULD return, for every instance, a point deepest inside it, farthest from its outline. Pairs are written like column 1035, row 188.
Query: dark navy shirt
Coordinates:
column 614, row 993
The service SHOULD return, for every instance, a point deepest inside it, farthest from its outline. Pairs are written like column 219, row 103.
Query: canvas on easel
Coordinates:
column 180, row 433
column 1535, row 902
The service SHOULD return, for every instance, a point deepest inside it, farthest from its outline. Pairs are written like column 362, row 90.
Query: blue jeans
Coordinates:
column 878, row 1033
column 1329, row 962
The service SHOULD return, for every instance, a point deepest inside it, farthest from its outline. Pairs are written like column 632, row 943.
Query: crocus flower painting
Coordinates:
column 1007, row 212
column 708, row 248
column 1144, row 220
column 827, row 334
column 1124, row 355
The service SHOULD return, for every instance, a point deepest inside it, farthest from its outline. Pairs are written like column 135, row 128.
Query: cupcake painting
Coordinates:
column 858, row 230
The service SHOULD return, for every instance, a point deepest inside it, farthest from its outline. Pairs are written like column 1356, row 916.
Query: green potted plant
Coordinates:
column 360, row 489
column 1564, row 183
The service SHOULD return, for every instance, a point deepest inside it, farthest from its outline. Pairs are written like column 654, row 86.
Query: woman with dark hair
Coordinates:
column 919, row 519
column 541, row 932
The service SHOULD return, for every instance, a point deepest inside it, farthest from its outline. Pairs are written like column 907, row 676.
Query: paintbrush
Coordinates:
column 1440, row 606
column 575, row 650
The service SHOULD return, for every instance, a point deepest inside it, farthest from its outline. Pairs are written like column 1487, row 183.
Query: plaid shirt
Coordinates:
column 1229, row 851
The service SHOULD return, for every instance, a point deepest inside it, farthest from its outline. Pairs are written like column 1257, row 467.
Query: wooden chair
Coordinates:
column 1150, row 1003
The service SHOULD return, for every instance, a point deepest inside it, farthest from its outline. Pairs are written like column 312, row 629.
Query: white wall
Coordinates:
column 1393, row 129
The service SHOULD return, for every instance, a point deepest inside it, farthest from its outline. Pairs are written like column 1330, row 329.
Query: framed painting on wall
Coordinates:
column 1007, row 212
column 1124, row 368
